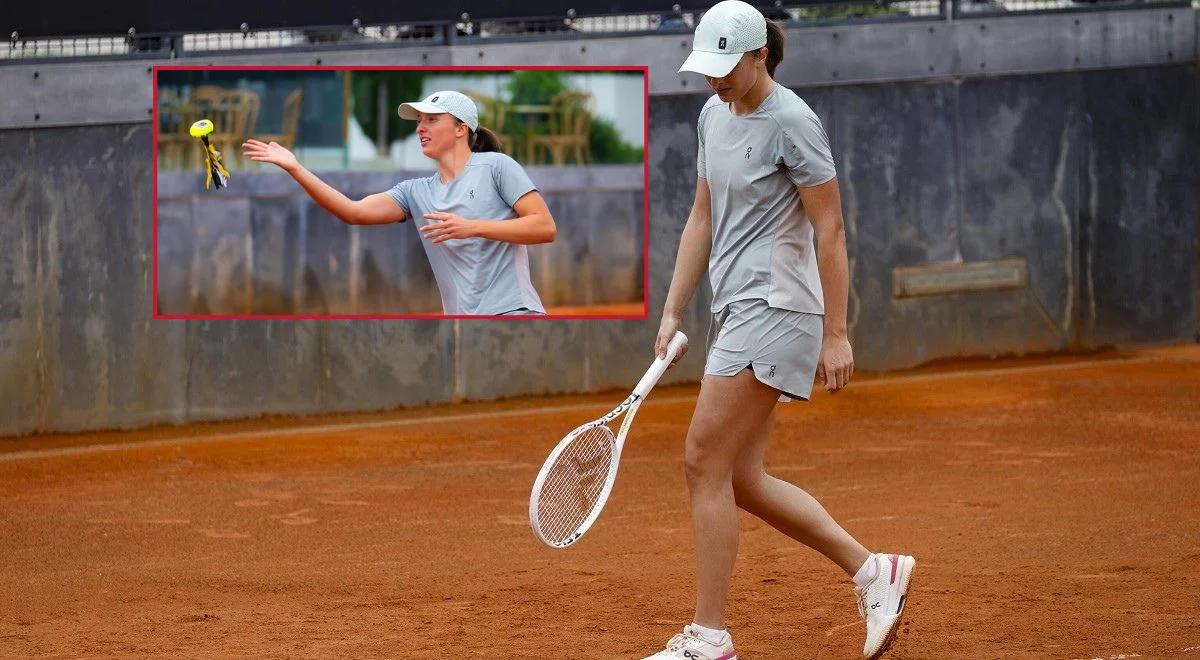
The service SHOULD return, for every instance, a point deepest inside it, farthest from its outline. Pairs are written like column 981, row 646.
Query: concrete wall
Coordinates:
column 79, row 350
column 1089, row 175
column 264, row 247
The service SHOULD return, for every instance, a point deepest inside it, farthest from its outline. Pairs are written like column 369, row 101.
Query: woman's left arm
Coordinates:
column 533, row 224
column 823, row 204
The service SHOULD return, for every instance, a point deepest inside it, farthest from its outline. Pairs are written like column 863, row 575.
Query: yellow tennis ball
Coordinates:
column 201, row 128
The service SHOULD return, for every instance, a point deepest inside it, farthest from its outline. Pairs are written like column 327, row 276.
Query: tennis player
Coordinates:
column 476, row 214
column 766, row 187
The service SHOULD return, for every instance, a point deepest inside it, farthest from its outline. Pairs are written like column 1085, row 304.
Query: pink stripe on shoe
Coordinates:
column 727, row 656
column 895, row 562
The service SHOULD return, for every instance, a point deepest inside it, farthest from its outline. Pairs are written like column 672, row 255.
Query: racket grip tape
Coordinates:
column 660, row 365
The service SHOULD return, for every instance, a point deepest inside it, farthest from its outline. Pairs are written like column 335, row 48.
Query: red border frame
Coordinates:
column 284, row 317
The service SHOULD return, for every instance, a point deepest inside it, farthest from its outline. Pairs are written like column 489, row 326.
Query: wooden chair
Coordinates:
column 244, row 106
column 570, row 124
column 291, row 122
column 495, row 112
column 233, row 113
column 175, row 116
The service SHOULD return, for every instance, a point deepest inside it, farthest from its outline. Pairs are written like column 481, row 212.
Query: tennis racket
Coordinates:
column 577, row 477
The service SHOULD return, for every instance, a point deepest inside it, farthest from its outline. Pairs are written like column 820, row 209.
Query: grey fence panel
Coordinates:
column 1139, row 231
column 249, row 368
column 672, row 161
column 264, row 247
column 372, row 365
column 1087, row 177
column 22, row 221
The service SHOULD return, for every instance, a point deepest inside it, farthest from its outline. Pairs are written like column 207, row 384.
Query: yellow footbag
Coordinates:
column 215, row 172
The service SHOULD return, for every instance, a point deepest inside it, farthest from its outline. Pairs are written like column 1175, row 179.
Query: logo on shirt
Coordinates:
column 471, row 193
column 771, row 372
column 748, row 150
column 721, row 43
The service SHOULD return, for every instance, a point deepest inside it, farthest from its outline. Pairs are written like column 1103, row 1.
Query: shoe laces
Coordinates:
column 680, row 642
column 862, row 601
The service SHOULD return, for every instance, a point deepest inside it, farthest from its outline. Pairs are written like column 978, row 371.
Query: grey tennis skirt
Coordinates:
column 781, row 346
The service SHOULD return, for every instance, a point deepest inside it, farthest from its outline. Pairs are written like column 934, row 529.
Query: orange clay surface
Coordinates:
column 610, row 309
column 1053, row 506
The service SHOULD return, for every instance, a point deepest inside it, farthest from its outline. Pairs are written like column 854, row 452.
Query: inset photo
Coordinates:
column 400, row 192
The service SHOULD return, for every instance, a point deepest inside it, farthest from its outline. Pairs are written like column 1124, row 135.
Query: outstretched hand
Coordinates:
column 273, row 153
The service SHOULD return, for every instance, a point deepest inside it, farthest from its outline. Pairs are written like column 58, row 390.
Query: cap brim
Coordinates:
column 715, row 65
column 412, row 110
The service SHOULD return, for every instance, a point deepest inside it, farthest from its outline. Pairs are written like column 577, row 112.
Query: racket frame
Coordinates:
column 629, row 406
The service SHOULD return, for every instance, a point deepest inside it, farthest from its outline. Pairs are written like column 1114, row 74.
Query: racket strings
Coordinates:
column 574, row 483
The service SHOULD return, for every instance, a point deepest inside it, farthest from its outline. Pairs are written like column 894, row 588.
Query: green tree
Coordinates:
column 540, row 88
column 399, row 86
column 535, row 87
column 607, row 146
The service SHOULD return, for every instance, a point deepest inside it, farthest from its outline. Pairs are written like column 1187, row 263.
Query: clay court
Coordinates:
column 1051, row 504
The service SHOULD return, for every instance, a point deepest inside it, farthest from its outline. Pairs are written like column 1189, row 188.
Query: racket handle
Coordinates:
column 660, row 365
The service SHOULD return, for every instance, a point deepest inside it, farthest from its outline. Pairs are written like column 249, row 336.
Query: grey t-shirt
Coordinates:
column 475, row 275
column 762, row 243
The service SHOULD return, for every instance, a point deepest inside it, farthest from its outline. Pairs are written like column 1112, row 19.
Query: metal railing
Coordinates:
column 356, row 35
column 988, row 8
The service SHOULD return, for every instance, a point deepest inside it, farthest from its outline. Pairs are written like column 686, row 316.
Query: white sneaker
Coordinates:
column 881, row 602
column 689, row 645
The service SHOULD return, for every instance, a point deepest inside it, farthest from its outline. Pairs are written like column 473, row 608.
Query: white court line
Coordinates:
column 266, row 434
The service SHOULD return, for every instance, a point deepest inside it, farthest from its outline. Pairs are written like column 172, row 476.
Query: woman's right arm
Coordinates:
column 690, row 264
column 377, row 209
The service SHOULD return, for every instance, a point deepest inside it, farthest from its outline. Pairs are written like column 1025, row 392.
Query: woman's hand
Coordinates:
column 447, row 226
column 666, row 330
column 837, row 362
column 272, row 153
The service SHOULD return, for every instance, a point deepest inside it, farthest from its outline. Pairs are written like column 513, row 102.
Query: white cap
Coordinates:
column 729, row 29
column 456, row 103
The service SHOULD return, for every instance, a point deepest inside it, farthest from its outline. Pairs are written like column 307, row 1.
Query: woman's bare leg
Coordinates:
column 788, row 508
column 729, row 411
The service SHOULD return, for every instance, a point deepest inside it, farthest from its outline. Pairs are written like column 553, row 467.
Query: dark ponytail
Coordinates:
column 482, row 139
column 774, row 47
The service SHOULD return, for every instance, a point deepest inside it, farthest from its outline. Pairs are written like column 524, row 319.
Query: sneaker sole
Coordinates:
column 906, row 569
